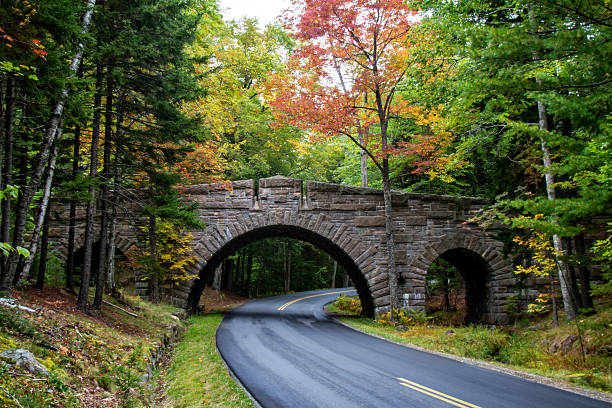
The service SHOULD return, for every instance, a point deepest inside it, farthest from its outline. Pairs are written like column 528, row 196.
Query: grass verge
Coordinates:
column 197, row 376
column 531, row 345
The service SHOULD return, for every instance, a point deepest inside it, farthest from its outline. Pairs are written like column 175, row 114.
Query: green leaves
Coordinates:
column 7, row 248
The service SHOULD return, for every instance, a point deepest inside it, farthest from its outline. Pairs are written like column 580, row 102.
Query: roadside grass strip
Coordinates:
column 286, row 305
column 436, row 394
column 197, row 376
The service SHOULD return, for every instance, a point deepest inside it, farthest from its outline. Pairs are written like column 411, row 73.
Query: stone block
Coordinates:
column 279, row 181
column 370, row 221
column 416, row 220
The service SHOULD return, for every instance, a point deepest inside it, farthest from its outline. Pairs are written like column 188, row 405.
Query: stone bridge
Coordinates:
column 348, row 223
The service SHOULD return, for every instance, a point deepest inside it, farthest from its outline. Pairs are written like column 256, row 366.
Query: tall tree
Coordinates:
column 44, row 151
column 368, row 40
column 533, row 76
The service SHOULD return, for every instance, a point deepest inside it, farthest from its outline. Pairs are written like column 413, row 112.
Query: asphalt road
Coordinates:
column 287, row 353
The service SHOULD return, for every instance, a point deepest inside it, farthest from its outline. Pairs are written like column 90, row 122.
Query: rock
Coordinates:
column 554, row 348
column 401, row 328
column 12, row 304
column 450, row 332
column 568, row 342
column 175, row 318
column 144, row 379
column 27, row 360
column 180, row 315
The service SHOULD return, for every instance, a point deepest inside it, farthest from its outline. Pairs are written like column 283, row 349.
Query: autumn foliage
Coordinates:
column 345, row 73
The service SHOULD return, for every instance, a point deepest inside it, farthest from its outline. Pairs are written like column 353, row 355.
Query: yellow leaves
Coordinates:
column 173, row 245
column 543, row 254
column 541, row 304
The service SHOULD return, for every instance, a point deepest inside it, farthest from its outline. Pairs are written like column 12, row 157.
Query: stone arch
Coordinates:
column 487, row 274
column 123, row 244
column 220, row 240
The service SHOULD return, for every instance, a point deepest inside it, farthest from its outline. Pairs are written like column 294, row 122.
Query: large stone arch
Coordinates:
column 487, row 273
column 219, row 241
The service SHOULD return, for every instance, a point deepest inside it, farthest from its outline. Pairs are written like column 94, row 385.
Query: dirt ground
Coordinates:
column 211, row 301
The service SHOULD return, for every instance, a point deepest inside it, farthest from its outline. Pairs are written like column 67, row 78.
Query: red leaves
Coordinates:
column 343, row 76
column 40, row 53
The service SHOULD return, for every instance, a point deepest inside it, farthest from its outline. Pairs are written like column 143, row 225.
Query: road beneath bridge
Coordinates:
column 288, row 353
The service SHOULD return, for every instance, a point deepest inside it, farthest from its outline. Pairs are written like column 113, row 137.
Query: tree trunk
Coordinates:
column 155, row 292
column 333, row 278
column 572, row 275
column 3, row 83
column 227, row 274
column 345, row 280
column 104, row 207
column 288, row 268
column 249, row 268
column 217, row 279
column 445, row 297
column 43, row 157
column 544, row 125
column 390, row 244
column 42, row 215
column 44, row 249
column 91, row 203
column 72, row 217
column 584, row 274
column 364, row 159
column 569, row 303
column 110, row 258
column 9, row 126
column 285, row 279
column 553, row 297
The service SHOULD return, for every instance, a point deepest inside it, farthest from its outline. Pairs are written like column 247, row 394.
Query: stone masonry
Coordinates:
column 347, row 222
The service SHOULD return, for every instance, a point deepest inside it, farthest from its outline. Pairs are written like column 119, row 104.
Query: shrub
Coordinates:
column 348, row 304
column 404, row 317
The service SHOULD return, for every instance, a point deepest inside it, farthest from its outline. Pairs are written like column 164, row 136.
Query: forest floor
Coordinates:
column 211, row 301
column 576, row 354
column 98, row 360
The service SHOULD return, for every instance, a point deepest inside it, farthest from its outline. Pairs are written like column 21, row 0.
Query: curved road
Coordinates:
column 287, row 353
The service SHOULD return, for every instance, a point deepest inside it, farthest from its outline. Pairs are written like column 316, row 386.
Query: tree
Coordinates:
column 367, row 41
column 533, row 76
column 46, row 146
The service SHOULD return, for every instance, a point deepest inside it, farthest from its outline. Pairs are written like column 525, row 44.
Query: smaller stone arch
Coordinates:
column 487, row 274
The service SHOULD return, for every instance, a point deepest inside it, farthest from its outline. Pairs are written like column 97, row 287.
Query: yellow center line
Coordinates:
column 286, row 305
column 436, row 394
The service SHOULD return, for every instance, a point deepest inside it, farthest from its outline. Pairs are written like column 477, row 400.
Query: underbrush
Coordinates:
column 531, row 344
column 94, row 361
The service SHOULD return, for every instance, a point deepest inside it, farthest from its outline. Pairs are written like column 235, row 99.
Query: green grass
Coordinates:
column 523, row 346
column 197, row 376
column 520, row 348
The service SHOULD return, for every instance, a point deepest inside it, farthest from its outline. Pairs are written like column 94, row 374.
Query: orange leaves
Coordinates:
column 429, row 147
column 41, row 53
column 35, row 45
column 342, row 79
column 202, row 165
